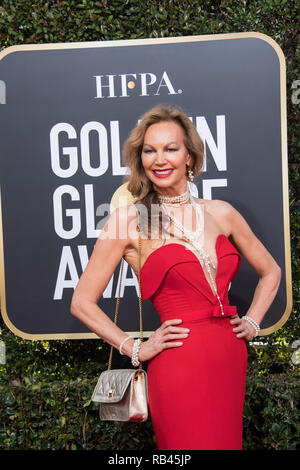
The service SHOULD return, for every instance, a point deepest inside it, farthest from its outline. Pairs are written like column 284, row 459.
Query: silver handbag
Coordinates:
column 123, row 393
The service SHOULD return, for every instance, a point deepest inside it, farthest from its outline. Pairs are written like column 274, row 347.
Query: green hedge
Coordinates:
column 45, row 387
column 45, row 391
column 58, row 415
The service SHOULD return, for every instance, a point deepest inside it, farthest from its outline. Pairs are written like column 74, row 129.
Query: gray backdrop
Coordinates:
column 231, row 89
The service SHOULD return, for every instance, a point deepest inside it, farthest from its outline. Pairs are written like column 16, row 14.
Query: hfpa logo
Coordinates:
column 118, row 86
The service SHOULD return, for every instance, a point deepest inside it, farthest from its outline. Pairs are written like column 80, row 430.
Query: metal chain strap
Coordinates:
column 118, row 301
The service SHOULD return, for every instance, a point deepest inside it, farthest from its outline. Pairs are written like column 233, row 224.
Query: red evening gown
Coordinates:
column 196, row 391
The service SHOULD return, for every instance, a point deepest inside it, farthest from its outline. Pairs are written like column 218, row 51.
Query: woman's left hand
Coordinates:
column 243, row 328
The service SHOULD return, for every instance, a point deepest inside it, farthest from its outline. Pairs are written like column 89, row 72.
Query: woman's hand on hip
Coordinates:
column 243, row 328
column 166, row 336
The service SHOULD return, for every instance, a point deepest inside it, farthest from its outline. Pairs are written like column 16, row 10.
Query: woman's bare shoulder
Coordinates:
column 121, row 223
column 217, row 206
column 123, row 214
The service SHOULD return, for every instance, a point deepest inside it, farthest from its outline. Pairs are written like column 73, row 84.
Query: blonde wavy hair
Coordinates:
column 138, row 183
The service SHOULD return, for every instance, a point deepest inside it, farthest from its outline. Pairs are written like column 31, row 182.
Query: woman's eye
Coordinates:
column 147, row 150
column 172, row 150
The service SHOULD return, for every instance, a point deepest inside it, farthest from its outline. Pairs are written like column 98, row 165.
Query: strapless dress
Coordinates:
column 196, row 391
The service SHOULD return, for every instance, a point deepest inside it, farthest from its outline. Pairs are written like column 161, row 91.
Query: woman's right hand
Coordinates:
column 164, row 337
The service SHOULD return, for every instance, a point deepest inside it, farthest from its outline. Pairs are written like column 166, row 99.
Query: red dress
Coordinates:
column 196, row 391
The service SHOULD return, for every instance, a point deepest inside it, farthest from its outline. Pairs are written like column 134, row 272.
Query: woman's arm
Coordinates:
column 104, row 260
column 108, row 251
column 262, row 262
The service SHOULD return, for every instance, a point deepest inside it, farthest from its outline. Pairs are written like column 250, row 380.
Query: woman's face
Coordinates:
column 165, row 156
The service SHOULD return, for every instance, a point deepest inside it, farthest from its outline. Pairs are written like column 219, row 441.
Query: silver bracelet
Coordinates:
column 135, row 353
column 253, row 323
column 121, row 345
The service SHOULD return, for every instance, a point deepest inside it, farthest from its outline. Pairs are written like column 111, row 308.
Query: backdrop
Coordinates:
column 65, row 112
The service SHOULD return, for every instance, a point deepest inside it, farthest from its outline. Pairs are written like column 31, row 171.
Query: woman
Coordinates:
column 198, row 356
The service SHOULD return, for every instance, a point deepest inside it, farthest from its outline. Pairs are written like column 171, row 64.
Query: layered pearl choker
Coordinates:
column 175, row 200
column 193, row 237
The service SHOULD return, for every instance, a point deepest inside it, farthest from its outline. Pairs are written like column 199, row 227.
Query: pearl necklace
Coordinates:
column 174, row 200
column 193, row 237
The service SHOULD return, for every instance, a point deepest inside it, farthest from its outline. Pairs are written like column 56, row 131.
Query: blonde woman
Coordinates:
column 191, row 251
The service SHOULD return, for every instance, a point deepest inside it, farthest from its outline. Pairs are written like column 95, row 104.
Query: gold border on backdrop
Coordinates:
column 284, row 153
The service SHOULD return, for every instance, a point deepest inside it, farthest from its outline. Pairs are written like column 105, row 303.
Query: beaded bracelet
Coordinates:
column 135, row 353
column 253, row 323
column 121, row 345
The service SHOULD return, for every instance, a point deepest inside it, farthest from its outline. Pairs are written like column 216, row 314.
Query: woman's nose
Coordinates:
column 160, row 156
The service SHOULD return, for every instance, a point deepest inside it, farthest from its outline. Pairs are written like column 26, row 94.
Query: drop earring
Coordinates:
column 190, row 174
